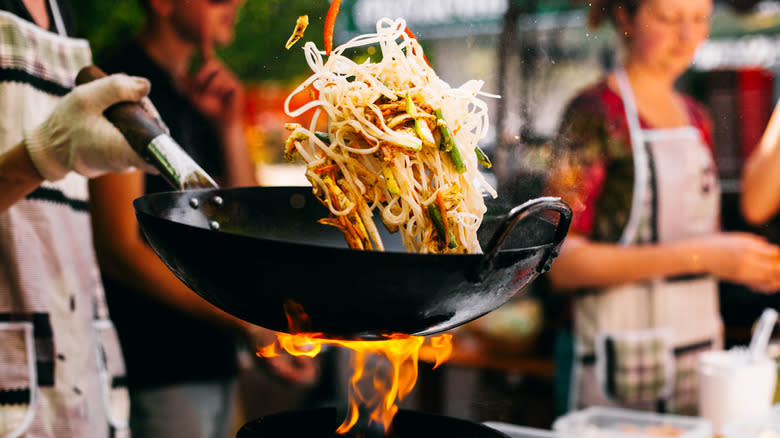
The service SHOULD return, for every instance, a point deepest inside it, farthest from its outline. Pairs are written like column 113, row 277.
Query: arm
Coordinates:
column 75, row 137
column 736, row 257
column 591, row 259
column 126, row 258
column 18, row 176
column 760, row 198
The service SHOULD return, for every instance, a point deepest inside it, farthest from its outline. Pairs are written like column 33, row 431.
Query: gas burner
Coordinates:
column 322, row 422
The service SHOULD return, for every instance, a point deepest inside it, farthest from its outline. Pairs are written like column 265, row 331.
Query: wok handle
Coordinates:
column 129, row 117
column 517, row 214
column 147, row 137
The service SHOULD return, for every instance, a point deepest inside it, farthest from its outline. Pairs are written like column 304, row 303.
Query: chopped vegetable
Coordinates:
column 323, row 136
column 330, row 23
column 392, row 185
column 289, row 149
column 408, row 32
column 420, row 127
column 448, row 142
column 435, row 214
column 445, row 222
column 482, row 158
column 300, row 26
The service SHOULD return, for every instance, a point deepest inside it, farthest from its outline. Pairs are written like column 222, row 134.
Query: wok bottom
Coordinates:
column 322, row 422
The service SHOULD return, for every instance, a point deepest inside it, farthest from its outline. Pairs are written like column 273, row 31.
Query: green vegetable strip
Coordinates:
column 453, row 243
column 448, row 142
column 438, row 222
column 482, row 158
column 323, row 136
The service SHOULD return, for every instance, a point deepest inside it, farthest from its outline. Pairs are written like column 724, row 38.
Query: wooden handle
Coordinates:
column 138, row 127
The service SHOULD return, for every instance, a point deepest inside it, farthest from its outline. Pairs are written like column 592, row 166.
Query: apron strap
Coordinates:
column 55, row 12
column 641, row 166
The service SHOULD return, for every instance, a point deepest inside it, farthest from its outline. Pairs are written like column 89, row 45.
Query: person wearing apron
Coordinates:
column 61, row 370
column 645, row 251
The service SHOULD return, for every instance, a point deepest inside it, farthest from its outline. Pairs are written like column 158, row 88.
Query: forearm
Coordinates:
column 760, row 198
column 134, row 265
column 239, row 168
column 18, row 176
column 583, row 264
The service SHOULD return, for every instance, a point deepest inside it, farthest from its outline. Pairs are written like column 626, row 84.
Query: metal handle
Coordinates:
column 515, row 215
column 150, row 141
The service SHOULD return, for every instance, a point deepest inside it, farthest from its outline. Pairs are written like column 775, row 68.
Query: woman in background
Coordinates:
column 634, row 160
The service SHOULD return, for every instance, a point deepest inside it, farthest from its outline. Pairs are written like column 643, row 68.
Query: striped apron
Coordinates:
column 61, row 369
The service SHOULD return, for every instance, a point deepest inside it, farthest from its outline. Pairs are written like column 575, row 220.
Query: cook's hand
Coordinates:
column 215, row 91
column 76, row 136
column 742, row 258
column 296, row 369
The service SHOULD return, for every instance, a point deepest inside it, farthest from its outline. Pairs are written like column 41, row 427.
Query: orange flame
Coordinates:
column 373, row 384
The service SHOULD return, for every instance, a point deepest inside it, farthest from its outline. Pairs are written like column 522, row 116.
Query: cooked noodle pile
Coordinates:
column 400, row 142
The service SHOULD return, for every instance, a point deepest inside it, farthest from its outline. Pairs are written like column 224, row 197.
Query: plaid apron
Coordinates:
column 637, row 343
column 61, row 369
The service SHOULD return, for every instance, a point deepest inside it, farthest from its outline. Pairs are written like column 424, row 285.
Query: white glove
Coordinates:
column 77, row 136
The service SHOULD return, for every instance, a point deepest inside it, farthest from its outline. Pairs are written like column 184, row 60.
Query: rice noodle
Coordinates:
column 355, row 170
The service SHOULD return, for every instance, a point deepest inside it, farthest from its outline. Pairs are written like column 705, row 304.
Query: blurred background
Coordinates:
column 535, row 54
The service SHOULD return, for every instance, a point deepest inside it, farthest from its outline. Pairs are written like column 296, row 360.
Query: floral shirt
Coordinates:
column 593, row 168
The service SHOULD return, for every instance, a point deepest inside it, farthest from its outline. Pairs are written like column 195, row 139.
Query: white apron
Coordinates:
column 61, row 370
column 676, row 195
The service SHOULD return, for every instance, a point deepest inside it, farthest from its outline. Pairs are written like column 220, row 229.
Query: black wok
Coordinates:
column 269, row 252
column 258, row 252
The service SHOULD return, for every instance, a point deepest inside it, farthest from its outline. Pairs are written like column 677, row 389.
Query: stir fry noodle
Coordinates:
column 400, row 141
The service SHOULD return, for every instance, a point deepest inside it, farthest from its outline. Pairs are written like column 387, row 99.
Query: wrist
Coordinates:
column 44, row 157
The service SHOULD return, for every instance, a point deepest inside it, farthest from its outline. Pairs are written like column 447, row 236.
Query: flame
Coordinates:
column 384, row 371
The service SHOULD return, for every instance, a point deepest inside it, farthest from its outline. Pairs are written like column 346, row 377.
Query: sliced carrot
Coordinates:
column 325, row 169
column 330, row 23
column 408, row 32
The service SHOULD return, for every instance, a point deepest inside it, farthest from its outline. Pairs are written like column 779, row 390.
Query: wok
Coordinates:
column 258, row 253
column 322, row 422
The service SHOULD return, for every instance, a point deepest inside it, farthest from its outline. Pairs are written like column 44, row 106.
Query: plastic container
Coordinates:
column 515, row 431
column 757, row 426
column 733, row 386
column 607, row 422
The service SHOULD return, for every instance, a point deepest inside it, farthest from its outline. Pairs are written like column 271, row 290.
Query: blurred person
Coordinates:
column 645, row 250
column 61, row 369
column 181, row 352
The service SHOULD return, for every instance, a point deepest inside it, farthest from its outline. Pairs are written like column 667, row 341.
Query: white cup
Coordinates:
column 732, row 386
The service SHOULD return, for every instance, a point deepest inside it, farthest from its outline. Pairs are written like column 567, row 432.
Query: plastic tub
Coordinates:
column 607, row 422
column 515, row 431
column 766, row 425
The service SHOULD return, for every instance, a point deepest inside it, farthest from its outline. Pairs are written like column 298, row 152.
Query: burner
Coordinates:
column 322, row 422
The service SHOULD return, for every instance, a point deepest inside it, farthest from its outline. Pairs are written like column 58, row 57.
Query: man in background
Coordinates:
column 181, row 352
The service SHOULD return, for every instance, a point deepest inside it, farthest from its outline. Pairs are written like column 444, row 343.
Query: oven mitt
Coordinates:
column 635, row 366
column 76, row 136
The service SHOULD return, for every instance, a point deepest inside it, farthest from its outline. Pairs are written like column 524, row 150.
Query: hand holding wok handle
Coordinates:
column 151, row 141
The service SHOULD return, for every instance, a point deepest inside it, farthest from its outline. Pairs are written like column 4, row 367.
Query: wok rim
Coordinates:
column 138, row 204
